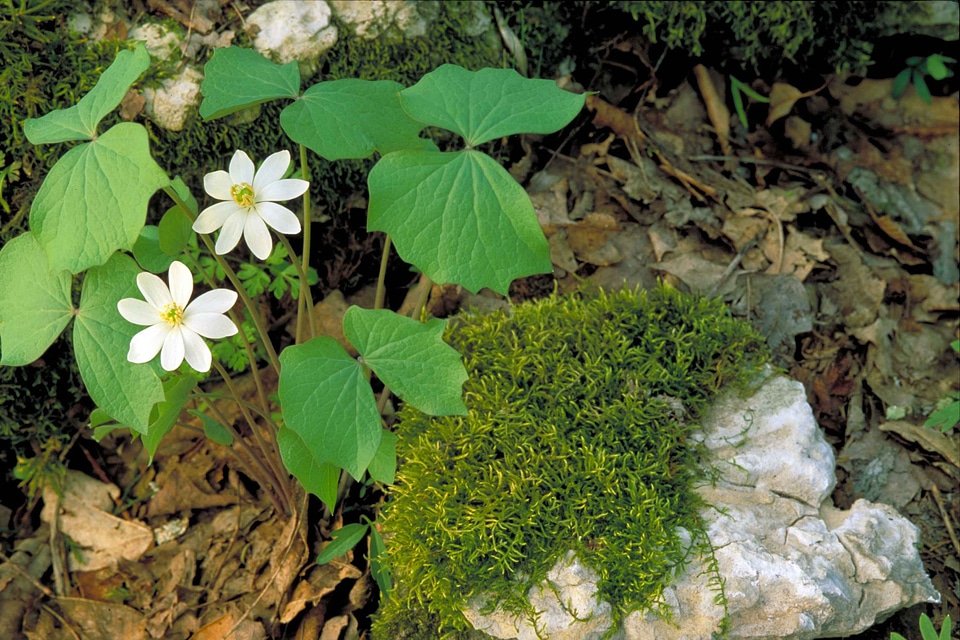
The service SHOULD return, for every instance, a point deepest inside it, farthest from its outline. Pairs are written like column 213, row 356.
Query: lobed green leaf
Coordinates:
column 329, row 404
column 410, row 357
column 458, row 217
column 351, row 118
column 80, row 121
column 101, row 339
column 236, row 78
column 176, row 392
column 94, row 200
column 490, row 103
column 35, row 303
column 317, row 477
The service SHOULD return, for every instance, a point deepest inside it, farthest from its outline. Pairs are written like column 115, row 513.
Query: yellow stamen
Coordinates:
column 242, row 194
column 172, row 313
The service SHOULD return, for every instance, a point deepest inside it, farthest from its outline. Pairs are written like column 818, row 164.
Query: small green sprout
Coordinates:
column 947, row 414
column 736, row 88
column 918, row 67
column 928, row 631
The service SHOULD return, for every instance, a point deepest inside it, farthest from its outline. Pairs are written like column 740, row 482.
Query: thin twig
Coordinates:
column 66, row 625
column 946, row 517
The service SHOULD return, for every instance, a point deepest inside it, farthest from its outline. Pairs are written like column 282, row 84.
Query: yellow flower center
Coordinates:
column 172, row 313
column 242, row 194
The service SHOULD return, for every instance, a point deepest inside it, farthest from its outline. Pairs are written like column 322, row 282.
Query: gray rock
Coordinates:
column 405, row 18
column 175, row 100
column 795, row 567
column 290, row 31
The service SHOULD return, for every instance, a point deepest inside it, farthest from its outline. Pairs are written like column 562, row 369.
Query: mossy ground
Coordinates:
column 579, row 408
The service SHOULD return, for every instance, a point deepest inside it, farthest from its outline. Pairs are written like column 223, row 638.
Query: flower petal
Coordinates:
column 278, row 217
column 146, row 344
column 181, row 283
column 196, row 351
column 258, row 237
column 217, row 184
column 271, row 170
column 216, row 301
column 154, row 290
column 210, row 325
column 241, row 168
column 281, row 190
column 214, row 216
column 138, row 312
column 172, row 353
column 231, row 232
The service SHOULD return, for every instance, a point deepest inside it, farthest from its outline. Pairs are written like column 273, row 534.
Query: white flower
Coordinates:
column 173, row 326
column 250, row 203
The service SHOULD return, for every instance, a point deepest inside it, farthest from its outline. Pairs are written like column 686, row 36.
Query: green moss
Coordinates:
column 574, row 440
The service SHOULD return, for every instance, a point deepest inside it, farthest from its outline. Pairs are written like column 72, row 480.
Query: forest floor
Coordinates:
column 830, row 223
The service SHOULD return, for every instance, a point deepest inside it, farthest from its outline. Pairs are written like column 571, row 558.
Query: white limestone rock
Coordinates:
column 405, row 18
column 172, row 104
column 159, row 40
column 290, row 31
column 795, row 567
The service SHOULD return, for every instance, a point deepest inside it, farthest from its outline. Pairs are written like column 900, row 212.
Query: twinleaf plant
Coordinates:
column 139, row 332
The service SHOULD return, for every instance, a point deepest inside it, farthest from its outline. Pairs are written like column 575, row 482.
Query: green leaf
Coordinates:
column 213, row 429
column 926, row 628
column 947, row 624
column 176, row 392
column 175, row 226
column 101, row 340
column 236, row 78
column 921, row 86
column 351, row 118
column 936, row 68
column 94, row 200
column 328, row 402
column 900, row 83
column 945, row 418
column 317, row 477
column 458, row 217
column 378, row 562
column 343, row 540
column 147, row 250
column 955, row 345
column 35, row 304
column 410, row 357
column 490, row 103
column 383, row 467
column 80, row 121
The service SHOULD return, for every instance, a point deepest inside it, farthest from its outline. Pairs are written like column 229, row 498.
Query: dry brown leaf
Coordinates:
column 698, row 274
column 321, row 581
column 890, row 227
column 132, row 105
column 662, row 238
column 782, row 98
column 184, row 485
column 716, row 108
column 329, row 314
column 103, row 538
column 103, row 620
column 930, row 439
column 801, row 254
column 220, row 628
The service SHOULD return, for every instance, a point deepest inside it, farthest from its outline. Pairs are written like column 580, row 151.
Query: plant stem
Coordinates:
column 304, row 289
column 305, row 299
column 235, row 281
column 262, row 474
column 251, row 357
column 279, row 477
column 382, row 278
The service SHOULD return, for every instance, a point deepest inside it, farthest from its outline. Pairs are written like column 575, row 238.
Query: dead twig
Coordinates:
column 946, row 517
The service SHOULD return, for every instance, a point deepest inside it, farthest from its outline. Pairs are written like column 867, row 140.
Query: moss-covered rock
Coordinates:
column 575, row 440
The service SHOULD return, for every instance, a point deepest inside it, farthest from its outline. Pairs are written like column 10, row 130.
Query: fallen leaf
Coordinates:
column 102, row 538
column 95, row 620
column 321, row 580
column 782, row 98
column 930, row 439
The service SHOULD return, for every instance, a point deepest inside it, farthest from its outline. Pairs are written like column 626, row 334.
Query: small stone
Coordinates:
column 171, row 104
column 291, row 31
